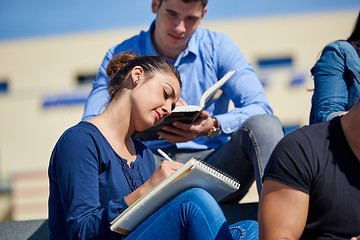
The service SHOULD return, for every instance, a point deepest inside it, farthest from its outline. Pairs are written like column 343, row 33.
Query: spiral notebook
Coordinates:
column 193, row 173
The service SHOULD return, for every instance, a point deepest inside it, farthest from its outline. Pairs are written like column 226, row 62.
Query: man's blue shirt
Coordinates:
column 206, row 59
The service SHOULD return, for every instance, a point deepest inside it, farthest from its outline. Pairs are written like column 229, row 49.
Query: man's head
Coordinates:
column 176, row 21
column 203, row 2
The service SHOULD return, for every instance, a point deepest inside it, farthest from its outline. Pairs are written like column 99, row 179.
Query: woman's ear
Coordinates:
column 137, row 74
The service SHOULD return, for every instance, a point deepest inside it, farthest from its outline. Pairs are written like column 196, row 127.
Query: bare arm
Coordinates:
column 282, row 211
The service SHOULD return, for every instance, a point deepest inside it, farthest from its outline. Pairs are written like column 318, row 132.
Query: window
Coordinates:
column 83, row 79
column 275, row 62
column 3, row 86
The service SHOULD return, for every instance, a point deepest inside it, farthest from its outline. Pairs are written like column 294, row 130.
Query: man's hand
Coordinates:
column 182, row 132
column 181, row 102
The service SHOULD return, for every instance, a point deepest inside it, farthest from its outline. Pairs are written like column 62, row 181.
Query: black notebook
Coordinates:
column 187, row 113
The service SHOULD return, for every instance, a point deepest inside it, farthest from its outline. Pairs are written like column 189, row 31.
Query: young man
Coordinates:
column 237, row 142
column 312, row 182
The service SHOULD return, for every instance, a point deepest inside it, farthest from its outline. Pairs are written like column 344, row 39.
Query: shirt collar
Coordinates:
column 193, row 45
column 150, row 49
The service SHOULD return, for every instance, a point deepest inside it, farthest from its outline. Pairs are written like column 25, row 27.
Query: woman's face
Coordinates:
column 153, row 99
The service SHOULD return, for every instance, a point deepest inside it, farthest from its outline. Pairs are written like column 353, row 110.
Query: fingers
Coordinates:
column 173, row 165
column 204, row 114
column 182, row 132
column 176, row 135
column 167, row 168
column 181, row 102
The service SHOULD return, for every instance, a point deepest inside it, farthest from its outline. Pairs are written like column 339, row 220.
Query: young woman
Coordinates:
column 97, row 169
column 336, row 78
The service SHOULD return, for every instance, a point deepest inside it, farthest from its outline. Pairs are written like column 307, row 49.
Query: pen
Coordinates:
column 164, row 155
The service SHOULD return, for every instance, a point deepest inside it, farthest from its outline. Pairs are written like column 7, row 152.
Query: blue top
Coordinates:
column 207, row 58
column 337, row 81
column 88, row 183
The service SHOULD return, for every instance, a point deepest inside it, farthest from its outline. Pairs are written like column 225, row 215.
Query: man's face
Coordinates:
column 175, row 22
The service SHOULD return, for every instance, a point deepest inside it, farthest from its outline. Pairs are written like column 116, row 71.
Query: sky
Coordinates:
column 35, row 18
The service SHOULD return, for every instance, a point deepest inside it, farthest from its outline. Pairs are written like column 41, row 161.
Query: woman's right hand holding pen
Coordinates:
column 165, row 169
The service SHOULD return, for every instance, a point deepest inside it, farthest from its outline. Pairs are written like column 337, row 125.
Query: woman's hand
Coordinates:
column 165, row 169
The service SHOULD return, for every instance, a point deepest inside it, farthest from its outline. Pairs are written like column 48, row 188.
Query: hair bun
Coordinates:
column 118, row 62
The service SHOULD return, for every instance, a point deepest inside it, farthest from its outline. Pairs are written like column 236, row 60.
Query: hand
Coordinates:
column 165, row 169
column 343, row 113
column 181, row 102
column 182, row 132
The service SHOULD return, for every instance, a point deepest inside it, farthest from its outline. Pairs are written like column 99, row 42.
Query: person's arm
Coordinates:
column 165, row 169
column 330, row 96
column 75, row 170
column 99, row 95
column 244, row 89
column 76, row 163
column 282, row 211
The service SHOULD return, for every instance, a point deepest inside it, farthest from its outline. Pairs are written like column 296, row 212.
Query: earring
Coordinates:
column 136, row 82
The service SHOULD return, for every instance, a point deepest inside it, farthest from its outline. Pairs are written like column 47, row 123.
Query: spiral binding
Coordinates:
column 217, row 172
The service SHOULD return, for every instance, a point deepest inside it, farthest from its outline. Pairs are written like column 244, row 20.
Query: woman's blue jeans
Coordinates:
column 193, row 214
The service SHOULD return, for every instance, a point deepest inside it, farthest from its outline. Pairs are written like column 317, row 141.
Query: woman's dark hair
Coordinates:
column 354, row 38
column 118, row 62
column 126, row 61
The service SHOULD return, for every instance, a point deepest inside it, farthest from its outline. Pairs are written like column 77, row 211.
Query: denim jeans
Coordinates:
column 244, row 157
column 193, row 214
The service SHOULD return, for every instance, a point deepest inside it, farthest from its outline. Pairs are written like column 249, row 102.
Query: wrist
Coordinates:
column 214, row 131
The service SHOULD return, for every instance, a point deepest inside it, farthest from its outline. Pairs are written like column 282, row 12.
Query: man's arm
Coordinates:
column 244, row 89
column 99, row 95
column 282, row 211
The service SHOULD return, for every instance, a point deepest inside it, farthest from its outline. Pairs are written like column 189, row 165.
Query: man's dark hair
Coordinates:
column 203, row 2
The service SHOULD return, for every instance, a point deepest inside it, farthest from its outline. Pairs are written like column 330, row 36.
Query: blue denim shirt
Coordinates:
column 337, row 81
column 207, row 58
